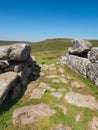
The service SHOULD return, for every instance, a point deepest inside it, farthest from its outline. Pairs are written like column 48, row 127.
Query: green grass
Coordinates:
column 48, row 52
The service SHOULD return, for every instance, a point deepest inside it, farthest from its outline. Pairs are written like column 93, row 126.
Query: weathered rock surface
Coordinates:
column 93, row 55
column 4, row 52
column 51, row 76
column 77, row 84
column 81, row 100
column 57, row 94
column 20, row 52
column 29, row 114
column 93, row 125
column 77, row 64
column 7, row 80
column 82, row 59
column 46, row 86
column 37, row 93
column 16, row 59
column 60, row 127
column 3, row 64
column 79, row 47
column 92, row 72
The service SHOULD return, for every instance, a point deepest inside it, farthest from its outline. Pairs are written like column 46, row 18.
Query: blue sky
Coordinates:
column 35, row 20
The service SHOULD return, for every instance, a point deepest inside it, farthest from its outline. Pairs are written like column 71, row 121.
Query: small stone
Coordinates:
column 78, row 116
column 37, row 93
column 55, row 81
column 57, row 94
column 61, row 89
column 30, row 114
column 93, row 125
column 62, row 107
column 60, row 127
column 63, row 80
column 61, row 69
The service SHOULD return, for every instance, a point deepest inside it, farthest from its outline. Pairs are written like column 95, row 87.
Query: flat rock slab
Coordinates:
column 52, row 76
column 57, row 94
column 61, row 89
column 46, row 86
column 60, row 127
column 7, row 80
column 93, row 125
column 55, row 81
column 77, row 84
column 61, row 69
column 63, row 80
column 81, row 100
column 37, row 93
column 29, row 114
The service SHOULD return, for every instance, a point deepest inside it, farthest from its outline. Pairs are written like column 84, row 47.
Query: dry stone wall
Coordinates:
column 82, row 58
column 17, row 68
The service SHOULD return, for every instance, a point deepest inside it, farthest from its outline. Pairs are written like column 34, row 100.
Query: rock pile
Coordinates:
column 83, row 59
column 17, row 68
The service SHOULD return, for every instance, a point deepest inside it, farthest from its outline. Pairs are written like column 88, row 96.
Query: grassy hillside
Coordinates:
column 50, row 50
column 2, row 43
column 47, row 52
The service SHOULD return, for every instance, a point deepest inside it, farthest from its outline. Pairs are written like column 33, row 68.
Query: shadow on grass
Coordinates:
column 9, row 102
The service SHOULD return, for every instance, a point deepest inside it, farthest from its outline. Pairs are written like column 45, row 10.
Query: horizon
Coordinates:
column 39, row 20
column 47, row 39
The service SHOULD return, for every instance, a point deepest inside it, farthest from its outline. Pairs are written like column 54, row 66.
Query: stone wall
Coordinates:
column 82, row 58
column 17, row 68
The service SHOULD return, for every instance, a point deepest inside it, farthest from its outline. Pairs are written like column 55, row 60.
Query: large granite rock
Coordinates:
column 7, row 80
column 92, row 72
column 93, row 55
column 16, row 67
column 20, row 52
column 4, row 52
column 77, row 64
column 79, row 47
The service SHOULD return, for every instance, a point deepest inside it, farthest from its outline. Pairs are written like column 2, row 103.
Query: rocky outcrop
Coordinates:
column 79, row 47
column 82, row 59
column 92, row 72
column 17, row 68
column 93, row 55
column 77, row 64
column 7, row 80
